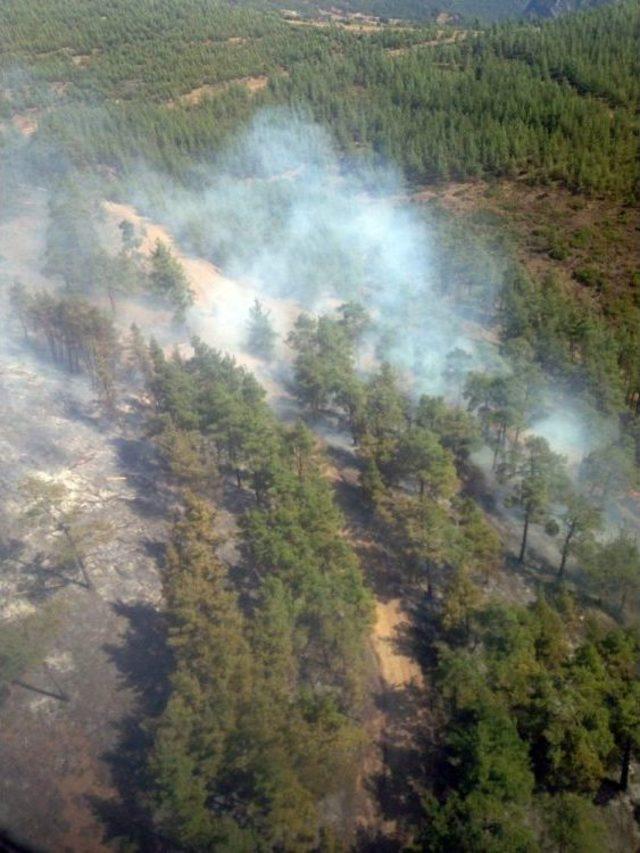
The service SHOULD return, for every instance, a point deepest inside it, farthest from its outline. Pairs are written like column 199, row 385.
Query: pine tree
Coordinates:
column 193, row 747
column 261, row 334
column 168, row 280
column 540, row 477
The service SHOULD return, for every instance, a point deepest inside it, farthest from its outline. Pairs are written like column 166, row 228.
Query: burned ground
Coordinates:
column 62, row 722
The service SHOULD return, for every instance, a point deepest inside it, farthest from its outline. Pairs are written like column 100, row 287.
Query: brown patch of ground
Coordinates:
column 26, row 123
column 396, row 667
column 60, row 87
column 209, row 90
column 343, row 25
column 220, row 301
column 255, row 84
column 442, row 37
column 352, row 21
column 456, row 196
column 593, row 241
column 81, row 60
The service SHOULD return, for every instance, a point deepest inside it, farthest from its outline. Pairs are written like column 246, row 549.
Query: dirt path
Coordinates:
column 396, row 668
column 456, row 36
column 222, row 304
column 397, row 699
column 207, row 90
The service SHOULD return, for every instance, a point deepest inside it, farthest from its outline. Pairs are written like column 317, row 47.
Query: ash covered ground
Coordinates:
column 104, row 662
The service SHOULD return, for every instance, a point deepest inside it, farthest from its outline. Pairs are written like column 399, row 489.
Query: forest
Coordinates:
column 320, row 428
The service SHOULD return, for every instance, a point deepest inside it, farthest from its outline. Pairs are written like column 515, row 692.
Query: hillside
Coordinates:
column 550, row 103
column 320, row 459
column 443, row 11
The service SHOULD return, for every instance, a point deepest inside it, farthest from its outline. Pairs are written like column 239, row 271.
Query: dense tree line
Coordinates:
column 78, row 335
column 534, row 721
column 262, row 720
column 511, row 101
column 153, row 52
column 530, row 713
column 485, row 106
column 571, row 337
column 422, row 449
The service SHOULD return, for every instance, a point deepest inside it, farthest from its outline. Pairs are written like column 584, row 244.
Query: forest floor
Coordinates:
column 60, row 726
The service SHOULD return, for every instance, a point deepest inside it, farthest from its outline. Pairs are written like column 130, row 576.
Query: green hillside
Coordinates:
column 321, row 357
column 551, row 102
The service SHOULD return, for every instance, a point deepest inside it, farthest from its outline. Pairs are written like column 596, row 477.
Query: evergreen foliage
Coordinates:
column 169, row 281
column 262, row 720
column 261, row 335
column 553, row 101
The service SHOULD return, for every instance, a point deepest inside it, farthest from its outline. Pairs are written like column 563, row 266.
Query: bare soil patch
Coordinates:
column 209, row 90
column 222, row 304
column 26, row 123
column 441, row 38
column 396, row 667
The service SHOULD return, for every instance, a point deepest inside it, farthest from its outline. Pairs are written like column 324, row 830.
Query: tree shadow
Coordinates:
column 416, row 637
column 75, row 410
column 10, row 844
column 396, row 786
column 58, row 692
column 11, row 549
column 381, row 568
column 140, row 465
column 607, row 792
column 144, row 663
column 476, row 486
column 538, row 572
column 235, row 499
column 156, row 549
column 343, row 457
column 375, row 841
column 42, row 579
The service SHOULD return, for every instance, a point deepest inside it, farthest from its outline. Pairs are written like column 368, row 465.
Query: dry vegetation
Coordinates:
column 588, row 242
column 209, row 90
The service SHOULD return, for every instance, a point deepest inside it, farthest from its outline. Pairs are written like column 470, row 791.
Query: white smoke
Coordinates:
column 283, row 213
